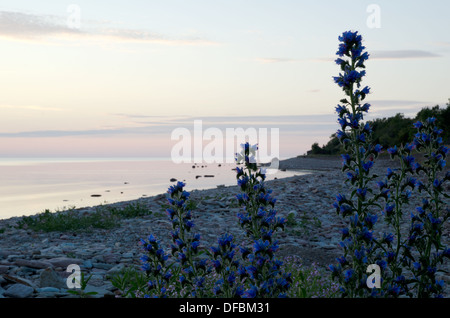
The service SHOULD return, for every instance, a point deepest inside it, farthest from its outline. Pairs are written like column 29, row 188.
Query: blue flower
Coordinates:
column 243, row 182
column 367, row 129
column 364, row 108
column 393, row 150
column 335, row 270
column 390, row 256
column 361, row 193
column 388, row 238
column 371, row 219
column 345, row 159
column 418, row 125
column 362, row 137
column 381, row 185
column 340, row 198
column 437, row 184
column 341, row 110
column 378, row 148
column 348, row 275
column 217, row 265
column 431, row 120
column 367, row 165
column 345, row 209
column 176, row 188
column 225, row 240
column 260, row 246
column 352, row 176
column 389, row 209
column 250, row 293
column 389, row 173
column 340, row 134
column 345, row 233
column 342, row 260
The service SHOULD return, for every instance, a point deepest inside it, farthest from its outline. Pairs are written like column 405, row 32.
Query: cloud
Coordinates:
column 267, row 60
column 32, row 27
column 389, row 55
column 402, row 54
column 33, row 107
column 442, row 43
column 387, row 108
column 299, row 123
column 18, row 25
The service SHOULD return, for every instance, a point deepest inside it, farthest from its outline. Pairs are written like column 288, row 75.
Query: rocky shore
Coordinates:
column 33, row 264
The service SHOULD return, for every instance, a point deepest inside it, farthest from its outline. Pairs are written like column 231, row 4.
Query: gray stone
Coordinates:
column 18, row 280
column 19, row 291
column 96, row 280
column 116, row 269
column 4, row 269
column 88, row 264
column 100, row 291
column 64, row 261
column 33, row 263
column 49, row 278
column 48, row 290
column 111, row 258
column 103, row 266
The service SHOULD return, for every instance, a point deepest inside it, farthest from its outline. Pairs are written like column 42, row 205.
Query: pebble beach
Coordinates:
column 33, row 264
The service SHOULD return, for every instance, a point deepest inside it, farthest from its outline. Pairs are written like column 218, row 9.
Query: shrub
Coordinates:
column 392, row 253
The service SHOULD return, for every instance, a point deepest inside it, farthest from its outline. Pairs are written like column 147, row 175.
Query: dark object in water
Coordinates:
column 173, row 180
column 196, row 177
column 209, row 176
column 96, row 195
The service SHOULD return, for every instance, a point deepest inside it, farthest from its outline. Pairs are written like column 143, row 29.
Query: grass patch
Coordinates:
column 308, row 281
column 101, row 218
column 130, row 282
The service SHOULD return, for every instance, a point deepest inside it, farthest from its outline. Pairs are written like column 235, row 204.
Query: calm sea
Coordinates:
column 29, row 186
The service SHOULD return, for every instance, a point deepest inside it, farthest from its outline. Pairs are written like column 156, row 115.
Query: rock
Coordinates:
column 103, row 266
column 128, row 255
column 48, row 290
column 32, row 263
column 173, row 179
column 101, row 292
column 88, row 264
column 19, row 291
column 49, row 278
column 4, row 253
column 116, row 269
column 96, row 280
column 64, row 261
column 18, row 280
column 111, row 258
column 4, row 269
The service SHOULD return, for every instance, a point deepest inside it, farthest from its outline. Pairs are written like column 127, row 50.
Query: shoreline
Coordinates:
column 32, row 256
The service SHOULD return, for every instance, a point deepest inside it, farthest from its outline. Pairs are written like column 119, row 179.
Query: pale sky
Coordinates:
column 114, row 78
